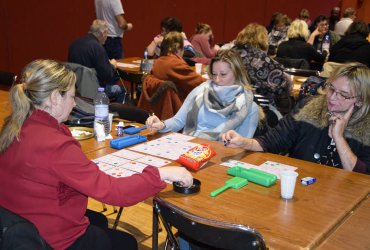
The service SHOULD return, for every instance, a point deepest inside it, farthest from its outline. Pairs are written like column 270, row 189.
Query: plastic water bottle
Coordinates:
column 325, row 44
column 101, row 103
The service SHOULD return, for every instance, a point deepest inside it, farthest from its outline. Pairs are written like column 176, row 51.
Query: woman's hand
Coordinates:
column 232, row 139
column 338, row 123
column 158, row 40
column 153, row 123
column 179, row 174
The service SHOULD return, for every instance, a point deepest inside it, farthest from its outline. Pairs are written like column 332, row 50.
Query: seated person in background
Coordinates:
column 321, row 29
column 349, row 15
column 297, row 47
column 89, row 52
column 304, row 15
column 331, row 129
column 333, row 19
column 278, row 33
column 272, row 21
column 266, row 76
column 354, row 46
column 52, row 189
column 202, row 42
column 222, row 103
column 167, row 25
column 170, row 66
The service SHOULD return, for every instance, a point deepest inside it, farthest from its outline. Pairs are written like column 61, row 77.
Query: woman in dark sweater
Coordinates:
column 354, row 46
column 297, row 47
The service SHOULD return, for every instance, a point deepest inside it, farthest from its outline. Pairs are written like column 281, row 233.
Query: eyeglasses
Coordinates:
column 323, row 24
column 331, row 90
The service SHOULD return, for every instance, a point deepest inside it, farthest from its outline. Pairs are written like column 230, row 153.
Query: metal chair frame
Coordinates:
column 213, row 234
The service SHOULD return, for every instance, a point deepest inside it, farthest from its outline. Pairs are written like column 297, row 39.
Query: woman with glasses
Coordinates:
column 319, row 30
column 225, row 102
column 331, row 129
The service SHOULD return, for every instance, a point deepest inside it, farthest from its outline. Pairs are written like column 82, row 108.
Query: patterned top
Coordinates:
column 265, row 74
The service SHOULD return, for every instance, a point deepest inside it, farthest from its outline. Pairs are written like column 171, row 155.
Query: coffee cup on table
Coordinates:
column 288, row 179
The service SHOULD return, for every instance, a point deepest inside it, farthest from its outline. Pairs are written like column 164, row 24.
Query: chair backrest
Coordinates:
column 87, row 83
column 19, row 233
column 301, row 72
column 159, row 97
column 213, row 234
column 272, row 114
column 293, row 63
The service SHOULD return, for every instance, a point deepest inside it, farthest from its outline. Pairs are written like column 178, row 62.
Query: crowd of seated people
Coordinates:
column 330, row 128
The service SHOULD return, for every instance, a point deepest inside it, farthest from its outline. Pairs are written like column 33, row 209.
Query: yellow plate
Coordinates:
column 82, row 133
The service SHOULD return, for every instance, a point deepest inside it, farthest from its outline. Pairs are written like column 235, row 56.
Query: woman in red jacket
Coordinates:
column 46, row 178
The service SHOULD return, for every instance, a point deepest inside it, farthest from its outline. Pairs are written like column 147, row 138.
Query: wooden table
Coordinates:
column 5, row 106
column 297, row 82
column 132, row 75
column 353, row 233
column 330, row 214
column 304, row 222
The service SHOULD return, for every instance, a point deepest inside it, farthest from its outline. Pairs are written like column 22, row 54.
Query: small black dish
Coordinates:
column 187, row 190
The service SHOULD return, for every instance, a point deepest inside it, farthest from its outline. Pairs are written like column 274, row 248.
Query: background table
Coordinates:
column 133, row 75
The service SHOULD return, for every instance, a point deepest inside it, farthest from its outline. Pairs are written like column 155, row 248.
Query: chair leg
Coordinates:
column 117, row 218
column 155, row 229
column 104, row 207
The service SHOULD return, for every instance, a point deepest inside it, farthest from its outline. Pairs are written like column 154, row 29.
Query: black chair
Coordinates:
column 293, row 63
column 19, row 233
column 272, row 114
column 209, row 233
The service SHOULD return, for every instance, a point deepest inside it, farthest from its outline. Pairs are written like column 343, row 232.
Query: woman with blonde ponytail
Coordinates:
column 46, row 178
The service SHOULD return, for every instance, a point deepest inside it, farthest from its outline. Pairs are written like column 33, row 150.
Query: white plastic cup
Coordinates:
column 110, row 121
column 288, row 179
column 198, row 68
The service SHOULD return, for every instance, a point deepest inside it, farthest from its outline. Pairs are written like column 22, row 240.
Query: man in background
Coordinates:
column 334, row 17
column 112, row 12
column 349, row 16
column 89, row 52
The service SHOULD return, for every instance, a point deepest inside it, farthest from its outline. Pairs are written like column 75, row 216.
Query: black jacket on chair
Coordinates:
column 17, row 233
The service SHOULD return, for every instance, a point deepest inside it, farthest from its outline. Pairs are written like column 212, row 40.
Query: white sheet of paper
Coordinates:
column 127, row 65
column 128, row 154
column 153, row 161
column 169, row 147
column 119, row 172
column 268, row 166
column 112, row 160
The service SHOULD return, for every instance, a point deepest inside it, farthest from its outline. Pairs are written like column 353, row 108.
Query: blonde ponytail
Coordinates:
column 40, row 78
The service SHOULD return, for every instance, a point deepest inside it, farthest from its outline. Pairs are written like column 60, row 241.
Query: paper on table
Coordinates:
column 127, row 65
column 268, row 166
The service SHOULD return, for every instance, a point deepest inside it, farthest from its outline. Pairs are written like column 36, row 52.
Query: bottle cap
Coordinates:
column 121, row 124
